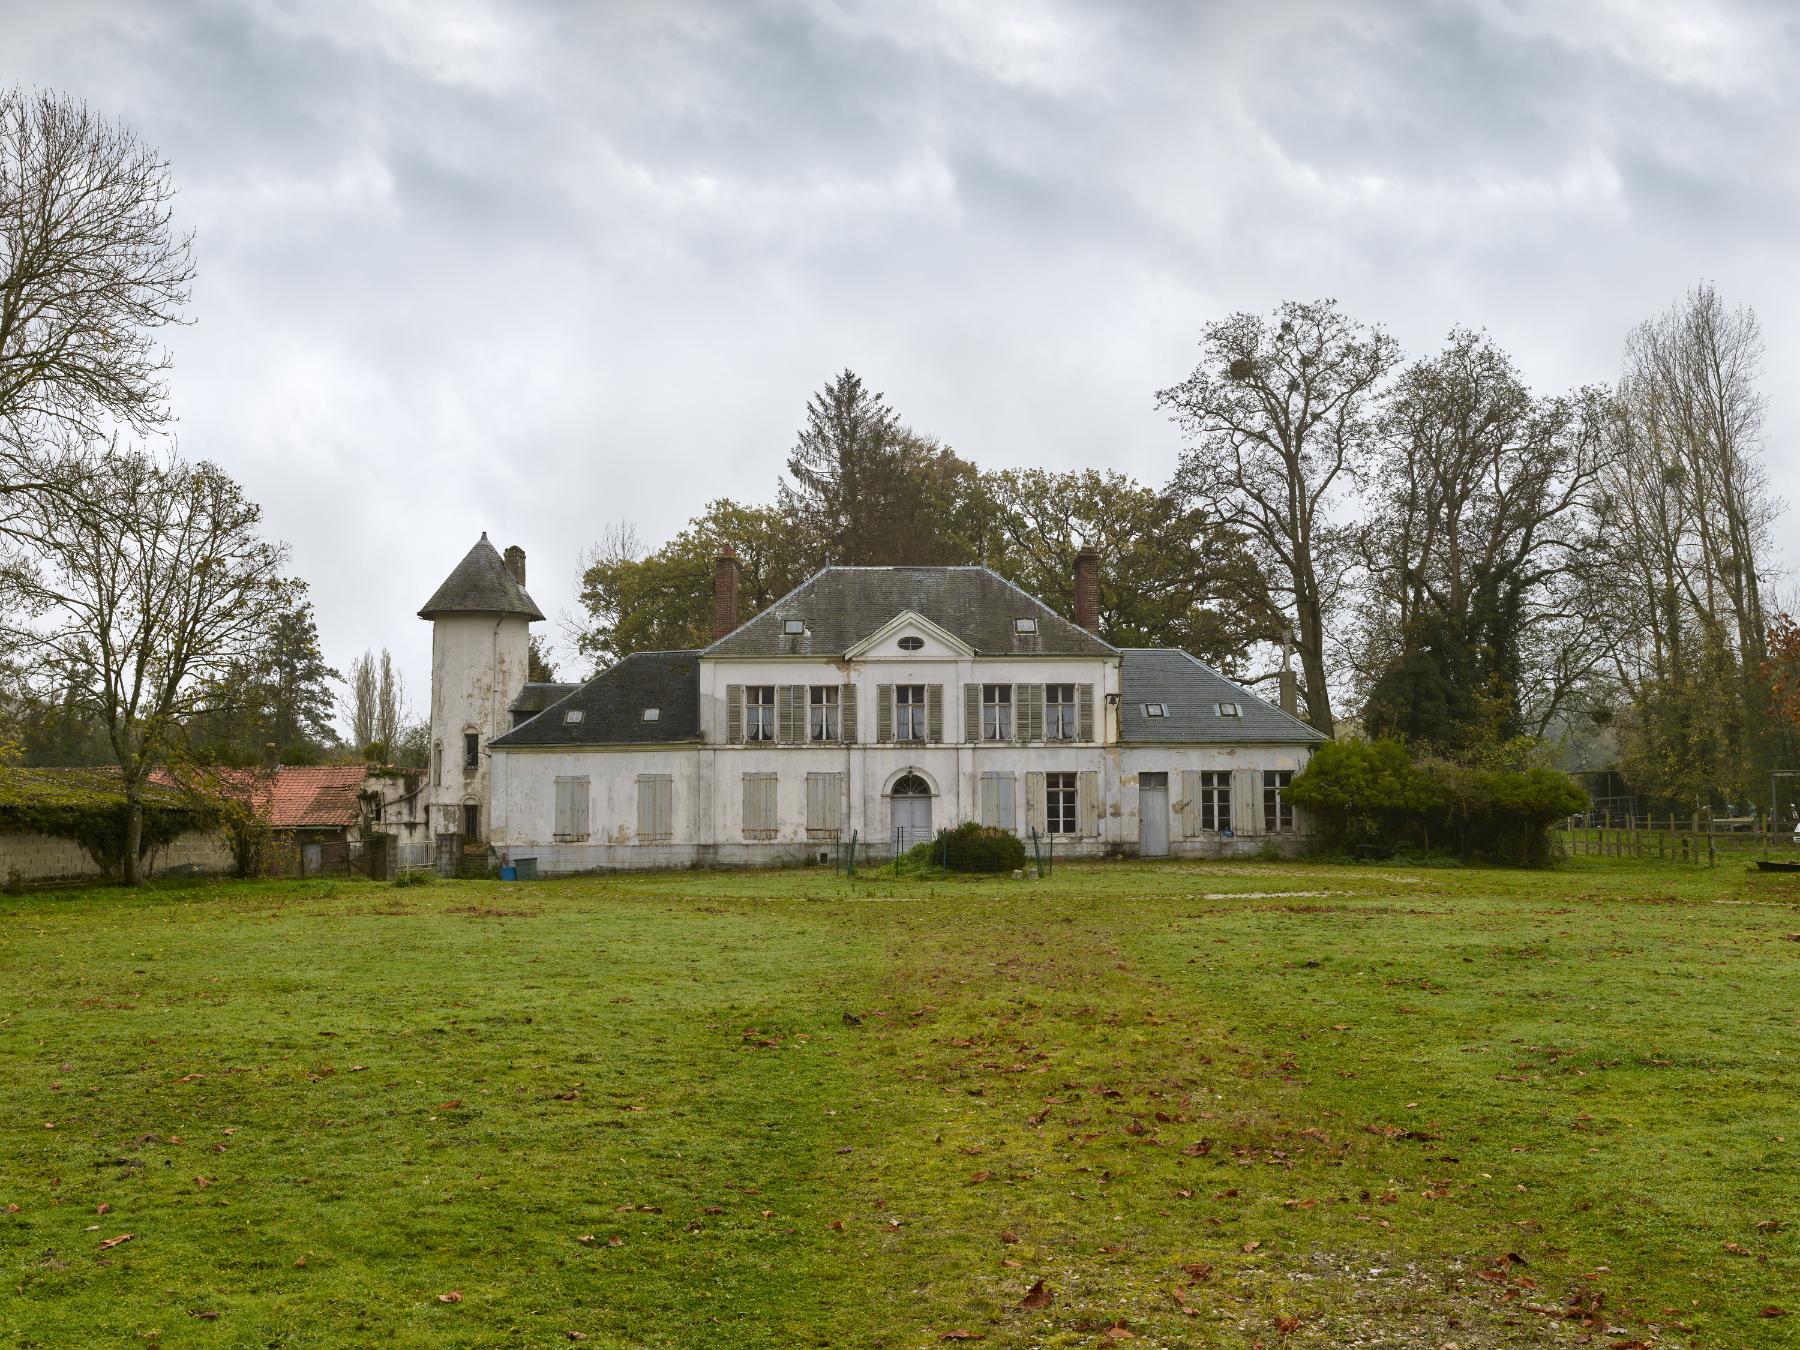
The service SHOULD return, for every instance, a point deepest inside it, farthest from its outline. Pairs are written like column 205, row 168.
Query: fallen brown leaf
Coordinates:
column 454, row 1296
column 112, row 1242
column 1038, row 1296
column 1252, row 1245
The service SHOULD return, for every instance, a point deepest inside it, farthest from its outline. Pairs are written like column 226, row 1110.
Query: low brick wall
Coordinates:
column 46, row 857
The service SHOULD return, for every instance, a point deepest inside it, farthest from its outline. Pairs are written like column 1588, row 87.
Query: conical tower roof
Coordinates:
column 481, row 584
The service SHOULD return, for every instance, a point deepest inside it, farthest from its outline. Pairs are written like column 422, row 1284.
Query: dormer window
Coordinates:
column 652, row 714
column 1159, row 709
column 1230, row 709
column 911, row 644
column 794, row 627
column 1024, row 625
column 572, row 716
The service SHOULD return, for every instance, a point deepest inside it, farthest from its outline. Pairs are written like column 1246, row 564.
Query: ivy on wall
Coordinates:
column 88, row 806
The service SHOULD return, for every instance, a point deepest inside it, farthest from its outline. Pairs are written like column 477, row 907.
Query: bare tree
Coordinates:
column 90, row 267
column 1280, row 417
column 150, row 581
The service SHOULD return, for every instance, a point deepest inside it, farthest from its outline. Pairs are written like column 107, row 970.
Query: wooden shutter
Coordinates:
column 1087, row 802
column 990, row 806
column 997, row 801
column 884, row 713
column 1084, row 711
column 1190, row 802
column 561, row 828
column 790, row 713
column 655, row 806
column 824, row 803
column 734, row 713
column 971, row 712
column 1028, row 716
column 934, row 713
column 759, row 805
column 1246, row 802
column 847, row 714
column 1034, row 803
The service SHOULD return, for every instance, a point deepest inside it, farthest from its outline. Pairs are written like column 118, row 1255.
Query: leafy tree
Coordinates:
column 538, row 667
column 151, row 583
column 278, row 694
column 1169, row 574
column 1365, row 792
column 1280, row 416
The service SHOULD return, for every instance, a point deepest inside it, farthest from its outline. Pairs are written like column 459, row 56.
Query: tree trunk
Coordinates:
column 131, row 865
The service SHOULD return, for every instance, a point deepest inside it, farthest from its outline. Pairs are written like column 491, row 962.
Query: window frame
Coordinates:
column 909, row 714
column 824, row 713
column 759, row 717
column 996, row 712
column 1062, row 716
column 1278, row 810
column 1212, row 805
column 1060, row 804
column 471, row 751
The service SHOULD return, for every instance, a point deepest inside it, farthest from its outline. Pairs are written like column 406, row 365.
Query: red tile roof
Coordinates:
column 316, row 795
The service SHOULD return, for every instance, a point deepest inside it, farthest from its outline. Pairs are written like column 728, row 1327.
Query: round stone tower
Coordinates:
column 481, row 621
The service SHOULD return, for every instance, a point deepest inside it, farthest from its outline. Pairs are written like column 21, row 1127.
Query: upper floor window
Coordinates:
column 1059, row 712
column 911, row 643
column 996, row 712
column 759, row 712
column 909, row 712
column 471, row 749
column 822, row 713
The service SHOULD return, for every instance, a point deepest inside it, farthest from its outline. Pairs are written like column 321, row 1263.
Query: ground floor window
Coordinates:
column 471, row 821
column 1059, row 803
column 656, row 801
column 1214, row 802
column 1278, row 811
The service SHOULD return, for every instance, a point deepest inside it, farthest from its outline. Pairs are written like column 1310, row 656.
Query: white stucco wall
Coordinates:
column 478, row 666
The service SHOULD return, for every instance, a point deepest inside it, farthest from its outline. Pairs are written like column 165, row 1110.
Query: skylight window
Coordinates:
column 794, row 627
column 1230, row 709
column 572, row 716
column 1156, row 710
column 911, row 644
column 652, row 714
column 1024, row 625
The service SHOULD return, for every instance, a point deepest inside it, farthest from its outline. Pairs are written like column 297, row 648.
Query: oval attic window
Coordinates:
column 911, row 644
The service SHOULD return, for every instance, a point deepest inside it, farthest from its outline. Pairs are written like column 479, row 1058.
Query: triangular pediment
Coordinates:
column 885, row 641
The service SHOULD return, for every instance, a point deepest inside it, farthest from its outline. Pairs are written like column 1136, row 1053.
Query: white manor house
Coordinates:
column 880, row 702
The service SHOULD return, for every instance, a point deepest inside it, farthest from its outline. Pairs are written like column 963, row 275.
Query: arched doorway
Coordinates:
column 911, row 798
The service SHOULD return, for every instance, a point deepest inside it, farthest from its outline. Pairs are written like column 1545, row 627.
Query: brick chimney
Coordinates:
column 515, row 563
column 1087, row 589
column 725, row 588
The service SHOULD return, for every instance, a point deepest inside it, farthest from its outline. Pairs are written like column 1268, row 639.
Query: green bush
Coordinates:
column 1363, row 793
column 971, row 847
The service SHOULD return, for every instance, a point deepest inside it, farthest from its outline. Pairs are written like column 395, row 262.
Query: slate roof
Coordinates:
column 481, row 584
column 1192, row 690
column 316, row 795
column 843, row 605
column 534, row 698
column 612, row 706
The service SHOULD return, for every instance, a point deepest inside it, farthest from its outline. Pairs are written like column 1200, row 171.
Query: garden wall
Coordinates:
column 48, row 857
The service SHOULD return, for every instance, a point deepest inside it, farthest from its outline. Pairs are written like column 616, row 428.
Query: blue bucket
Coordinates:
column 509, row 874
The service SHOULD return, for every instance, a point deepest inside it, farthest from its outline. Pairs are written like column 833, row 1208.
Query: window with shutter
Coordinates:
column 656, row 793
column 847, row 713
column 824, row 805
column 1189, row 806
column 734, row 713
column 996, row 712
column 884, row 713
column 759, row 712
column 571, row 810
column 1031, row 712
column 1059, row 712
column 934, row 713
column 791, row 713
column 1034, row 802
column 909, row 712
column 1085, row 711
column 760, row 820
column 971, row 712
column 1059, row 803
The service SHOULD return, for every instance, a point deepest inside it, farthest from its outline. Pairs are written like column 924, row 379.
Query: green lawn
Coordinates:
column 1212, row 1105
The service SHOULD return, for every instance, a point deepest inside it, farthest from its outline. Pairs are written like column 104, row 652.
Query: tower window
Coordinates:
column 471, row 749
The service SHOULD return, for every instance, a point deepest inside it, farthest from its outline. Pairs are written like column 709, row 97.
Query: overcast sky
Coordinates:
column 530, row 267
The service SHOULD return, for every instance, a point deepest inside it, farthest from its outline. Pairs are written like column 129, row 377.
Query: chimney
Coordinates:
column 1290, row 702
column 515, row 563
column 1087, row 589
column 725, row 587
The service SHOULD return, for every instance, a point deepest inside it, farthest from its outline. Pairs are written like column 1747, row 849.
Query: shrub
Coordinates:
column 971, row 847
column 1365, row 792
